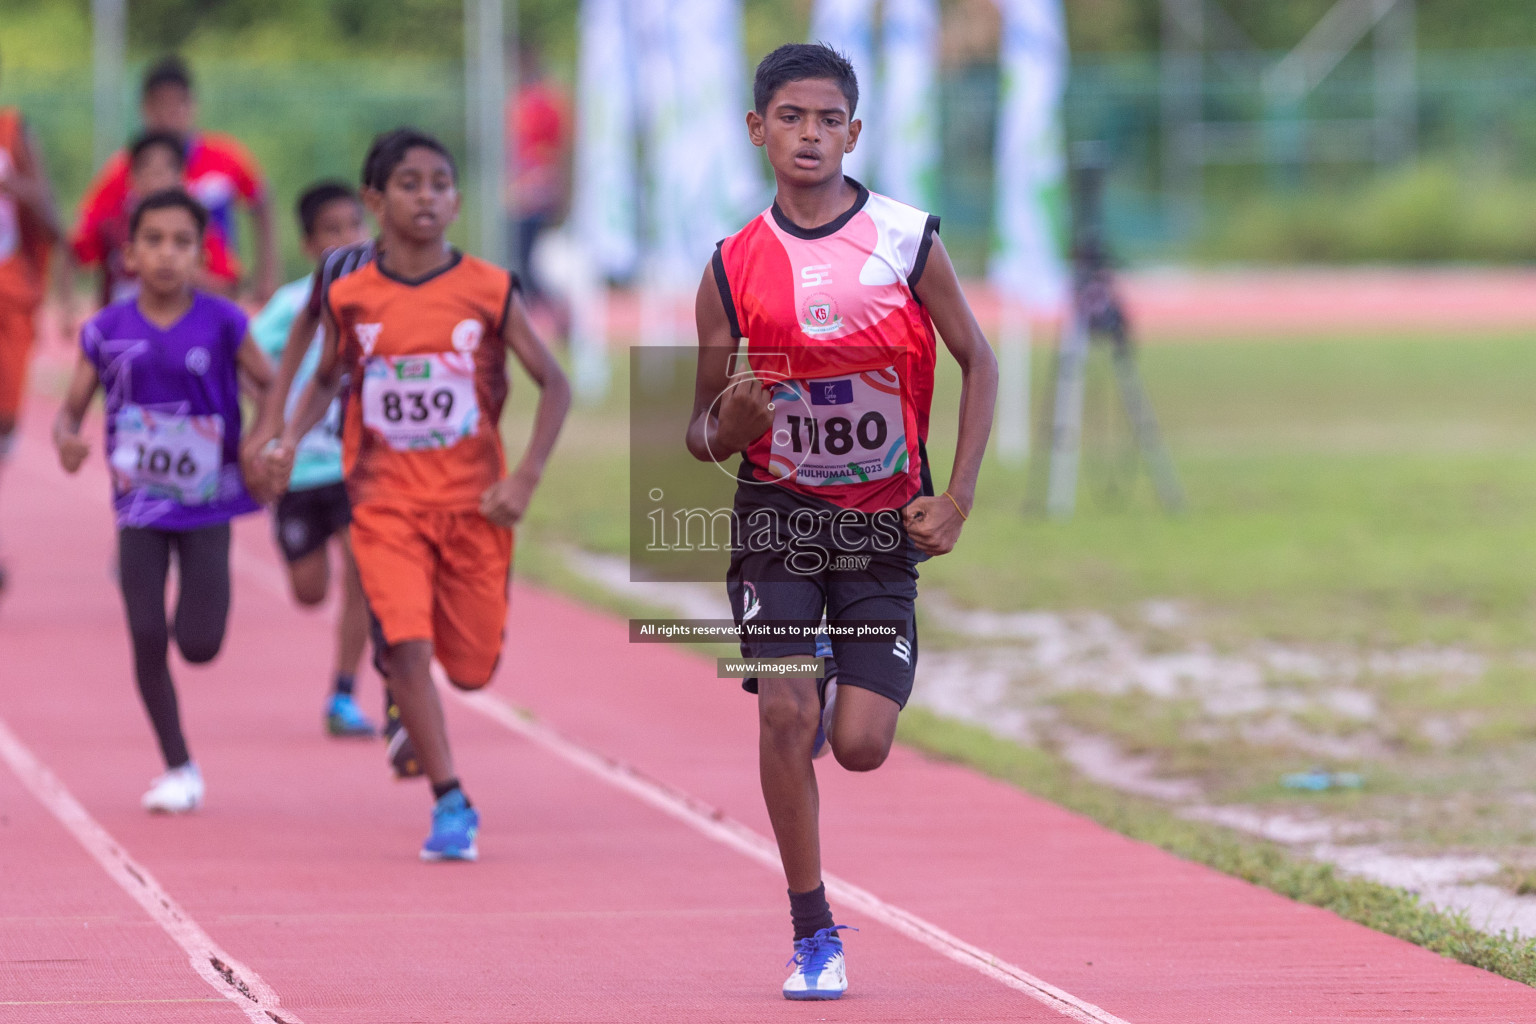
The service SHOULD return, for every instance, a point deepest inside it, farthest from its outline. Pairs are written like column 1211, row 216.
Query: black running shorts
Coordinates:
column 795, row 560
column 306, row 519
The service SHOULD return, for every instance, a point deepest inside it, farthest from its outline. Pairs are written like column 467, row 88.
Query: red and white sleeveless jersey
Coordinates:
column 833, row 325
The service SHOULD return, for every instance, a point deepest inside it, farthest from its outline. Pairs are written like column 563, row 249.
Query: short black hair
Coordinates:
column 796, row 62
column 315, row 198
column 152, row 140
column 390, row 148
column 168, row 199
column 168, row 70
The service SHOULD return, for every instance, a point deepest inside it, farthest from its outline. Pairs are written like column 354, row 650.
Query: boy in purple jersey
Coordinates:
column 171, row 362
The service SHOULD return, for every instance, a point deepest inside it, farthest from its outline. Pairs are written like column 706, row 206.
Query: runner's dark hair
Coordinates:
column 168, row 70
column 796, row 62
column 389, row 149
column 316, row 197
column 150, row 140
column 168, row 199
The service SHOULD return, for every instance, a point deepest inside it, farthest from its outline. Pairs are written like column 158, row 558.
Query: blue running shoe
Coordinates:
column 455, row 825
column 819, row 969
column 826, row 691
column 344, row 718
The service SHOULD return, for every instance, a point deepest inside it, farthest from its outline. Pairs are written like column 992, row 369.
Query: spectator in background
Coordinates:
column 538, row 124
column 219, row 172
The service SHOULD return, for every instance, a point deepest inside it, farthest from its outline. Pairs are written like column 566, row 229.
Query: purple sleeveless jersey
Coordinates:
column 172, row 412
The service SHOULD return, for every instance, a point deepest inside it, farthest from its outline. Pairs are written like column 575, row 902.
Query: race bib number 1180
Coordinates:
column 839, row 430
column 419, row 403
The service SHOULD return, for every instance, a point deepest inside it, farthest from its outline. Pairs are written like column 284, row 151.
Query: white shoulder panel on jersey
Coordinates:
column 901, row 228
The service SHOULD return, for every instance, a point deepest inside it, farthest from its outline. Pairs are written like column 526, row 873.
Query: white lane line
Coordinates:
column 228, row 976
column 714, row 824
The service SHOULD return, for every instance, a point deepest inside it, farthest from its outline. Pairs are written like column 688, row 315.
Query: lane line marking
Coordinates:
column 227, row 976
column 717, row 826
column 713, row 823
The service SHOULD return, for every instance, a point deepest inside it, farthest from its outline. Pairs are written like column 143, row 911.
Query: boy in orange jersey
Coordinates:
column 29, row 225
column 420, row 335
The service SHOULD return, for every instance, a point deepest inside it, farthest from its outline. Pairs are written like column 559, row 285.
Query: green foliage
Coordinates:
column 1432, row 211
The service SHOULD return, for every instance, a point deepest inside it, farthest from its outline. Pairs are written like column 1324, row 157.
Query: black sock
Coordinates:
column 442, row 789
column 344, row 683
column 809, row 912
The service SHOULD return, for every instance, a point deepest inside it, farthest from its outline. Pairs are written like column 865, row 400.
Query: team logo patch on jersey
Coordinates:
column 198, row 361
column 368, row 336
column 466, row 335
column 831, row 392
column 819, row 315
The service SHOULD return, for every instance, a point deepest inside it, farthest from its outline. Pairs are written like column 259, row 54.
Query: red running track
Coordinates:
column 601, row 895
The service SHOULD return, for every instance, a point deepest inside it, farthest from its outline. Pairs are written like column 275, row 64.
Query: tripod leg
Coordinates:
column 1067, row 419
column 1138, row 409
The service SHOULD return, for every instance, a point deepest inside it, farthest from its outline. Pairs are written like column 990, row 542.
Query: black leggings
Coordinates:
column 202, row 611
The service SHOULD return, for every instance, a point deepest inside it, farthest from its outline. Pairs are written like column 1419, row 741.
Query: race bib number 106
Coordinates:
column 178, row 457
column 419, row 403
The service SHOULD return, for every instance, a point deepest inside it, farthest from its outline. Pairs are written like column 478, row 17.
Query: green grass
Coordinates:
column 1345, row 496
column 1340, row 491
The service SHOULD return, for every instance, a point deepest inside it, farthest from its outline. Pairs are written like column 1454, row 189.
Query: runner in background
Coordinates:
column 838, row 292
column 538, row 121
column 419, row 334
column 315, row 509
column 29, row 225
column 156, row 162
column 170, row 362
column 219, row 173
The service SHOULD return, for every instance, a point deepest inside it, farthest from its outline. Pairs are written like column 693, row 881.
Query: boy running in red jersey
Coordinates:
column 421, row 335
column 29, row 225
column 155, row 162
column 219, row 171
column 838, row 292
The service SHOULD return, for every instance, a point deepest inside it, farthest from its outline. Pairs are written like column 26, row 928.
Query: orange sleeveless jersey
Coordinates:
column 428, row 381
column 23, row 244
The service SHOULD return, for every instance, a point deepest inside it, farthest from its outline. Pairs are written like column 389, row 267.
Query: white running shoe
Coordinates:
column 819, row 969
column 176, row 792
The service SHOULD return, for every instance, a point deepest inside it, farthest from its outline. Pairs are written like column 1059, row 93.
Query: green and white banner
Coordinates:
column 1029, row 225
column 908, row 144
column 604, row 209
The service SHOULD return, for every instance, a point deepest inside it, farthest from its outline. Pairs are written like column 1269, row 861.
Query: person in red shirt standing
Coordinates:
column 29, row 226
column 538, row 120
column 219, row 172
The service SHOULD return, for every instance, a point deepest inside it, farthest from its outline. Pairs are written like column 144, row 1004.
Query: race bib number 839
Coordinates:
column 420, row 403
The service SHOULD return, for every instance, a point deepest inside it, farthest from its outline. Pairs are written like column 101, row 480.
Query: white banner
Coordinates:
column 1030, row 219
column 666, row 192
column 908, row 140
column 720, row 172
column 604, row 206
column 848, row 26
